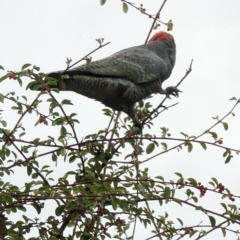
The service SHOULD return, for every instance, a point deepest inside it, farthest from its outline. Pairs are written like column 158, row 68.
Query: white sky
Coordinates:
column 44, row 33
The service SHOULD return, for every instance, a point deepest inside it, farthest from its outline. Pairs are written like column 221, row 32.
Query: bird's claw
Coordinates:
column 172, row 91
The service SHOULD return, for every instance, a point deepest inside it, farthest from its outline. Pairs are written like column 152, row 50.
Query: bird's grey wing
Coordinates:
column 136, row 64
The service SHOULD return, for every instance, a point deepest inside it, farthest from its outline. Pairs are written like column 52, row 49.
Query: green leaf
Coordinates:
column 54, row 157
column 156, row 26
column 180, row 221
column 26, row 66
column 1, row 67
column 164, row 145
column 225, row 153
column 125, row 7
column 204, row 146
column 85, row 236
column 127, row 185
column 170, row 25
column 189, row 145
column 167, row 193
column 233, row 98
column 51, row 82
column 184, row 134
column 25, row 98
column 36, row 68
column 223, row 231
column 150, row 148
column 35, row 175
column 33, row 85
column 228, row 159
column 107, row 112
column 74, row 217
column 102, row 2
column 215, row 180
column 114, row 203
column 225, row 125
column 4, row 123
column 29, row 170
column 59, row 210
column 233, row 207
column 19, row 81
column 6, row 197
column 200, row 208
column 63, row 131
column 55, row 90
column 141, row 104
column 212, row 221
column 1, row 98
column 72, row 159
column 214, row 135
column 160, row 177
column 178, row 174
column 195, row 199
column 4, row 77
column 58, row 121
column 66, row 102
column 192, row 181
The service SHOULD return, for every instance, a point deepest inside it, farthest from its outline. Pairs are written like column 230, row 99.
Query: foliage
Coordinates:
column 107, row 191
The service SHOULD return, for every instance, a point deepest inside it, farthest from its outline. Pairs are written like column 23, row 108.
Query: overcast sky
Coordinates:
column 44, row 33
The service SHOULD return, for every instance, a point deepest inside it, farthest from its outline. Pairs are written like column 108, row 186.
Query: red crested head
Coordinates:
column 159, row 36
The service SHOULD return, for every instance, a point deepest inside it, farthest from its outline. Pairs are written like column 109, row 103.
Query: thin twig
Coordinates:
column 134, row 138
column 154, row 21
column 189, row 227
column 190, row 204
column 194, row 140
column 143, row 11
column 212, row 229
column 70, row 66
column 155, row 225
column 21, row 153
column 26, row 105
column 20, row 119
column 188, row 71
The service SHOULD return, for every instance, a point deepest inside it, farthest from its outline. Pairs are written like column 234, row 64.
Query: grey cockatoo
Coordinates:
column 126, row 77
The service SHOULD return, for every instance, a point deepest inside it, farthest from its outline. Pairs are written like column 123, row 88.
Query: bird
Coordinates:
column 125, row 77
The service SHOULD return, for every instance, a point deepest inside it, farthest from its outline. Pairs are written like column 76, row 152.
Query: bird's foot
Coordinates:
column 172, row 91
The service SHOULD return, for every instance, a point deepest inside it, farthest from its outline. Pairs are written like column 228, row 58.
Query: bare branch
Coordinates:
column 154, row 21
column 188, row 71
